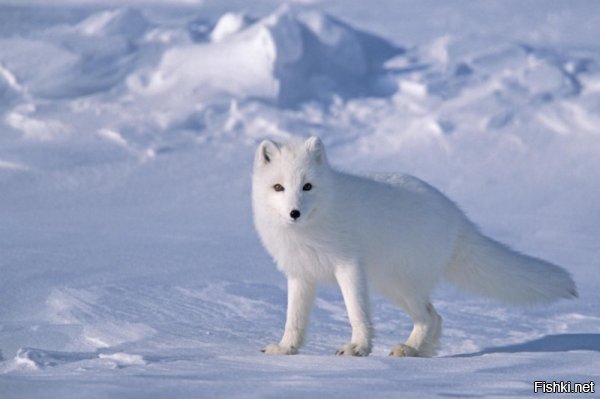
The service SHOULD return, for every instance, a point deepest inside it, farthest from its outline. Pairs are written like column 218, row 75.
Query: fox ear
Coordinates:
column 315, row 146
column 267, row 151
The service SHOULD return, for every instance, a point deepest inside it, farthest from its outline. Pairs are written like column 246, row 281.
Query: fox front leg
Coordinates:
column 352, row 282
column 301, row 295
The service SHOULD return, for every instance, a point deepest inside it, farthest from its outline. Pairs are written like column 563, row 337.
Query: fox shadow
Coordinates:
column 548, row 343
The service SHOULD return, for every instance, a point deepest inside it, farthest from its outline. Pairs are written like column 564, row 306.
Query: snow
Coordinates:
column 128, row 260
column 287, row 57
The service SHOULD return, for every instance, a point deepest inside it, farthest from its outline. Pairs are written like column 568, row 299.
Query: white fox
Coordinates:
column 398, row 237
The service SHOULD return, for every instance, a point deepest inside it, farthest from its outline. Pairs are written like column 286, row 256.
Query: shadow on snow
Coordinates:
column 548, row 343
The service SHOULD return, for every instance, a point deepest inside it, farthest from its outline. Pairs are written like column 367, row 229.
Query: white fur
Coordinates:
column 399, row 236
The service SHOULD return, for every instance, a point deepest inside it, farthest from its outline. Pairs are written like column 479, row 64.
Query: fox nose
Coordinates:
column 295, row 214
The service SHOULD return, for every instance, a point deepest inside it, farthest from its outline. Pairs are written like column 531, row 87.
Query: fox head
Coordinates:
column 290, row 179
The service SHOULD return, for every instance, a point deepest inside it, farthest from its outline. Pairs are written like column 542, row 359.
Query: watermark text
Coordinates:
column 563, row 387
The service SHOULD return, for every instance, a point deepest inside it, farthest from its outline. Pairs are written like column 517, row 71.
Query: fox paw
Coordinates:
column 276, row 349
column 353, row 349
column 402, row 350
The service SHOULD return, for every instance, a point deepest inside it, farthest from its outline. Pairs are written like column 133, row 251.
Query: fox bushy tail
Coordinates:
column 488, row 268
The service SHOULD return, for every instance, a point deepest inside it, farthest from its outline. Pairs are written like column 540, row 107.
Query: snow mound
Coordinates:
column 122, row 359
column 127, row 22
column 37, row 65
column 229, row 24
column 37, row 359
column 10, row 89
column 71, row 60
column 287, row 57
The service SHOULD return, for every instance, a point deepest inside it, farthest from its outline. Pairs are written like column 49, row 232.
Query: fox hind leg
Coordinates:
column 424, row 338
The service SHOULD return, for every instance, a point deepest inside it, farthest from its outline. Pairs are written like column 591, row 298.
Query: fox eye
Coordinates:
column 307, row 187
column 278, row 187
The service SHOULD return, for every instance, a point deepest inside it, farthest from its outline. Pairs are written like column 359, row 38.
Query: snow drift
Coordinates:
column 286, row 57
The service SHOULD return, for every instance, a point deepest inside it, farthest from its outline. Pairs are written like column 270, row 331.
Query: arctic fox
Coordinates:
column 398, row 237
